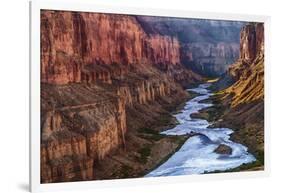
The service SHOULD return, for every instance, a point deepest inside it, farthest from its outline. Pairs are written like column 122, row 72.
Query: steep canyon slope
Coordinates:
column 241, row 101
column 103, row 80
column 84, row 47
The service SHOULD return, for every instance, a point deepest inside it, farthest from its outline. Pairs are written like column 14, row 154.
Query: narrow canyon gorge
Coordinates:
column 110, row 84
column 242, row 92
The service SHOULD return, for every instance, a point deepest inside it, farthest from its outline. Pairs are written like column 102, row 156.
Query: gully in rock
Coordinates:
column 198, row 154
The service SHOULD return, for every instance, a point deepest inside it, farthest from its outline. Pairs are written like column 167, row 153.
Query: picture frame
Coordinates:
column 36, row 6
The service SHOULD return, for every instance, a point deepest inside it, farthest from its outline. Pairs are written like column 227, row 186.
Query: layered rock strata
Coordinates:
column 94, row 67
column 241, row 102
column 86, row 47
column 248, row 72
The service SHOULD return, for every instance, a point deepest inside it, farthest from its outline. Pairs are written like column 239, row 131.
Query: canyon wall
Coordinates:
column 77, row 133
column 252, row 42
column 94, row 67
column 81, row 123
column 209, row 59
column 242, row 96
column 248, row 71
column 207, row 47
column 84, row 47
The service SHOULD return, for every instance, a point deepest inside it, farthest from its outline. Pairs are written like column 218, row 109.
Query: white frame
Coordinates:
column 35, row 7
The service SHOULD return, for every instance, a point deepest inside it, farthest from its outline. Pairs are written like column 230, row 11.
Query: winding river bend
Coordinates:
column 197, row 155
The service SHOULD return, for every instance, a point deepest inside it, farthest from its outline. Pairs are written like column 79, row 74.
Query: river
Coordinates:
column 197, row 156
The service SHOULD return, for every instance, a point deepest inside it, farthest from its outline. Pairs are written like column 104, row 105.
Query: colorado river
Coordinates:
column 197, row 155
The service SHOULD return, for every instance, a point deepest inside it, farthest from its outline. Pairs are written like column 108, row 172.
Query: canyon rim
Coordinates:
column 127, row 96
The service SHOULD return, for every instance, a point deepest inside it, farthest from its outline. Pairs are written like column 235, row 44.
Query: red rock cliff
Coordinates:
column 82, row 123
column 243, row 99
column 77, row 133
column 79, row 47
column 251, row 42
column 248, row 72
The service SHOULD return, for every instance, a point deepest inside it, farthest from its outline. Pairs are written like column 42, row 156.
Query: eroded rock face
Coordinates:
column 77, row 133
column 248, row 72
column 143, row 92
column 252, row 42
column 81, row 124
column 93, row 68
column 243, row 93
column 85, row 47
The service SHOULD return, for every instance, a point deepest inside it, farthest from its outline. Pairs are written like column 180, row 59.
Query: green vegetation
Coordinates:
column 123, row 172
column 243, row 136
column 144, row 154
column 246, row 167
column 147, row 131
column 211, row 113
column 164, row 119
column 180, row 140
column 150, row 134
column 260, row 156
column 192, row 95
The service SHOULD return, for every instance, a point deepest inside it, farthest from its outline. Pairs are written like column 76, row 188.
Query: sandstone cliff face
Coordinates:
column 81, row 124
column 245, row 96
column 248, row 72
column 77, row 47
column 143, row 92
column 252, row 42
column 77, row 133
column 94, row 67
column 240, row 100
column 163, row 51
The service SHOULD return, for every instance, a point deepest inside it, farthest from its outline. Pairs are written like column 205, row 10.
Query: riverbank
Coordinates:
column 248, row 130
column 207, row 150
column 146, row 148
